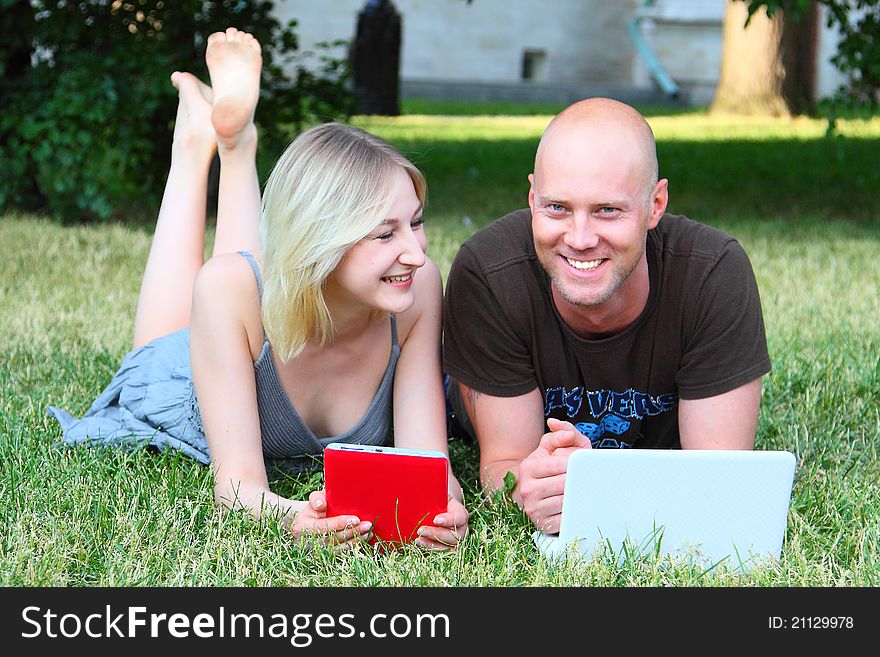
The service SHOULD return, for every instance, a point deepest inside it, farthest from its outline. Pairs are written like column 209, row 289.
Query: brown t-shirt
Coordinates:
column 701, row 332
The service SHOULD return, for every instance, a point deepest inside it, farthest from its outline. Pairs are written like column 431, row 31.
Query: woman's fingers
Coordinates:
column 318, row 500
column 439, row 538
column 454, row 516
column 448, row 530
column 336, row 524
column 358, row 531
column 337, row 529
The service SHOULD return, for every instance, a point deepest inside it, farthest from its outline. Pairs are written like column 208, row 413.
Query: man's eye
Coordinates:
column 557, row 207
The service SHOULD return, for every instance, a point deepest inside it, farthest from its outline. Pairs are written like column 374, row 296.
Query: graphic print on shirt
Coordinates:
column 607, row 414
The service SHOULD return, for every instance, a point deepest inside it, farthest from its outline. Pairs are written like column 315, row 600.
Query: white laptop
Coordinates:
column 720, row 505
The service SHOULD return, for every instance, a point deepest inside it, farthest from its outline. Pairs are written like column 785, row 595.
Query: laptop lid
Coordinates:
column 727, row 504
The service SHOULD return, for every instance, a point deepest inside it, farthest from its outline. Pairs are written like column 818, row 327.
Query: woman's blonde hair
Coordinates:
column 330, row 189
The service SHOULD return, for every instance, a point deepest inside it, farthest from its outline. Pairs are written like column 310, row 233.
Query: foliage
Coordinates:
column 88, row 109
column 858, row 53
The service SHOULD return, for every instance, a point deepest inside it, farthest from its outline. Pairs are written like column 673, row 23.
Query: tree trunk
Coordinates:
column 17, row 25
column 752, row 71
column 800, row 44
column 769, row 67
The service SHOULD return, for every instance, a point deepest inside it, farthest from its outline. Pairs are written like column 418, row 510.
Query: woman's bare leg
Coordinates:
column 234, row 63
column 177, row 250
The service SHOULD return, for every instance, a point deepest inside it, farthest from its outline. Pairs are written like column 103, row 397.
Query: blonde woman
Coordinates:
column 316, row 316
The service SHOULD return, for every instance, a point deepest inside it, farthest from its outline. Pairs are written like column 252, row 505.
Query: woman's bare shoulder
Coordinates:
column 228, row 269
column 226, row 290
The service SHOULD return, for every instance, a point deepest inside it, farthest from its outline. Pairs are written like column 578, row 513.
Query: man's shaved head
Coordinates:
column 595, row 120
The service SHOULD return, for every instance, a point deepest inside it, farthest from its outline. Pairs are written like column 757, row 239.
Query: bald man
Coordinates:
column 596, row 319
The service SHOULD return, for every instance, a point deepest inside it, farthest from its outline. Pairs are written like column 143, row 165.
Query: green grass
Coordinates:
column 806, row 209
column 419, row 106
column 423, row 106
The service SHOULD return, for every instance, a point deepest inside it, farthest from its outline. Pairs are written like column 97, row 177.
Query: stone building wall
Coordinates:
column 505, row 44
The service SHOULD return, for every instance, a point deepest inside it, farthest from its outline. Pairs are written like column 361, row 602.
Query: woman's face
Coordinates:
column 378, row 271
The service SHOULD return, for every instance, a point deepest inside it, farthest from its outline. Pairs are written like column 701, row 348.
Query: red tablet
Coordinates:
column 398, row 489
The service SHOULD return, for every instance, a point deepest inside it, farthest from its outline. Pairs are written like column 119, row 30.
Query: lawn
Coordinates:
column 805, row 207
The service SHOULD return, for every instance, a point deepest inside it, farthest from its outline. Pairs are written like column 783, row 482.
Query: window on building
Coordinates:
column 533, row 63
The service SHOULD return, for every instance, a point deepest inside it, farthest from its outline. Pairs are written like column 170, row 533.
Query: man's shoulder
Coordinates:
column 679, row 235
column 505, row 241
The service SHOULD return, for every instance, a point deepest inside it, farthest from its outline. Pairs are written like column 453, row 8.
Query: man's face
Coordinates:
column 592, row 205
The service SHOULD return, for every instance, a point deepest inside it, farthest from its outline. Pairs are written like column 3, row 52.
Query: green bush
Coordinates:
column 88, row 108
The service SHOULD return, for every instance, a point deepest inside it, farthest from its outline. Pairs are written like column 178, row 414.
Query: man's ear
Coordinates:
column 532, row 191
column 659, row 201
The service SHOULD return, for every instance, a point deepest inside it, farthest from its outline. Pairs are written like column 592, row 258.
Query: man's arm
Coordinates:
column 510, row 432
column 725, row 421
column 508, row 429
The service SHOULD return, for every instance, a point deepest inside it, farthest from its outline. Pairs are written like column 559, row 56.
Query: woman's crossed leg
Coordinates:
column 212, row 119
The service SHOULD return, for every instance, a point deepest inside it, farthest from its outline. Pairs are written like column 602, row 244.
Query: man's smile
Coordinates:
column 584, row 265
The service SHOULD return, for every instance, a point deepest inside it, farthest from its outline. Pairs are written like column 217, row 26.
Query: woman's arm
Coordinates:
column 419, row 402
column 225, row 333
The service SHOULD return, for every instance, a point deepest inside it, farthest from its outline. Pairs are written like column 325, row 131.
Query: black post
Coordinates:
column 375, row 59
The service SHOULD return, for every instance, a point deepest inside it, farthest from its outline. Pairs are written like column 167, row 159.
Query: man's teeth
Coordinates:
column 398, row 279
column 584, row 264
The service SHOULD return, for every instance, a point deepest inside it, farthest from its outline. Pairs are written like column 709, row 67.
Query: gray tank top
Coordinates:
column 283, row 432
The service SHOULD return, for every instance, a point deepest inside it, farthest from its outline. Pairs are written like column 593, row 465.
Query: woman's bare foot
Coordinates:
column 234, row 63
column 192, row 127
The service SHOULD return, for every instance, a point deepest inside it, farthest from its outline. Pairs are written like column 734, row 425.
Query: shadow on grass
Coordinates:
column 474, row 181
column 831, row 179
column 427, row 107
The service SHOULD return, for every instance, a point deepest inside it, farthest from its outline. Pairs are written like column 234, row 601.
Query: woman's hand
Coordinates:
column 449, row 528
column 312, row 523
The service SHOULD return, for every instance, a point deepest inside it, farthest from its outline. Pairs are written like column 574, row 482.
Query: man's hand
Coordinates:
column 542, row 474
